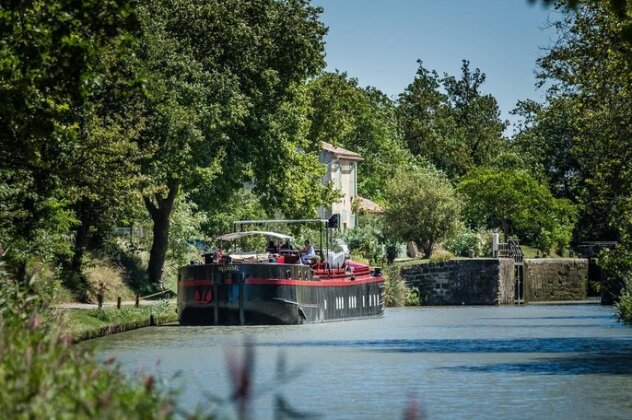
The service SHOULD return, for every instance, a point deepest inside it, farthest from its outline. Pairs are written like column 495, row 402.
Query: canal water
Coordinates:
column 532, row 361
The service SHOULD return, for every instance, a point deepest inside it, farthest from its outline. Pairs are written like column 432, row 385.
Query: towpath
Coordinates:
column 77, row 305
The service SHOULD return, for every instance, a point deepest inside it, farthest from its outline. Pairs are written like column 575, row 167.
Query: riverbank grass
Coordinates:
column 44, row 376
column 83, row 324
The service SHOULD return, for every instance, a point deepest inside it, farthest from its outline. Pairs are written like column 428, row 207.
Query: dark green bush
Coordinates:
column 617, row 287
column 623, row 308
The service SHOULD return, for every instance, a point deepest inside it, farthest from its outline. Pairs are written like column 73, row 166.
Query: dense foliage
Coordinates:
column 58, row 60
column 157, row 114
column 396, row 292
column 515, row 202
column 107, row 108
column 223, row 106
column 423, row 207
column 362, row 120
column 583, row 135
column 449, row 122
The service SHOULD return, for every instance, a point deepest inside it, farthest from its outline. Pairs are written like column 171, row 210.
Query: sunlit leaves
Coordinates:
column 449, row 121
column 514, row 201
column 361, row 120
column 589, row 70
column 422, row 207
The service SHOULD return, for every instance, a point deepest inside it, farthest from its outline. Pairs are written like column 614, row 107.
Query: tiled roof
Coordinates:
column 340, row 152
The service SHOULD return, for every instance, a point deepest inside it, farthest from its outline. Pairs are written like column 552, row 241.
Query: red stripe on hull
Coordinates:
column 290, row 282
column 189, row 283
column 315, row 283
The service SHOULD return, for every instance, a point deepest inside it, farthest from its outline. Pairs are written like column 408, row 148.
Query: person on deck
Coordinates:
column 308, row 253
column 272, row 248
column 286, row 246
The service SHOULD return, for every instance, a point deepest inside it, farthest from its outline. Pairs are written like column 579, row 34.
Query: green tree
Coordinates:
column 218, row 75
column 422, row 207
column 476, row 114
column 590, row 66
column 241, row 204
column 514, row 201
column 620, row 8
column 427, row 124
column 359, row 119
column 544, row 140
column 50, row 55
column 105, row 172
column 449, row 121
column 287, row 178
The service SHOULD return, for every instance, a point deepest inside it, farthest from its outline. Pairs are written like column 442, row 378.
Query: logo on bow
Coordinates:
column 204, row 297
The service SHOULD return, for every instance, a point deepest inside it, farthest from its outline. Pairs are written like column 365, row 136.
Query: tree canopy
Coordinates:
column 362, row 120
column 449, row 121
column 514, row 201
column 581, row 140
column 220, row 101
column 58, row 60
column 422, row 207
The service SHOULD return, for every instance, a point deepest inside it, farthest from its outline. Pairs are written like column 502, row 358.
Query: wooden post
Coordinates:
column 118, row 302
column 137, row 304
column 214, row 279
column 100, row 294
column 240, row 279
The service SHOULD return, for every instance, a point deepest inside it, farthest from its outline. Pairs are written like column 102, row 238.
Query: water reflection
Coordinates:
column 603, row 364
column 521, row 345
column 556, row 317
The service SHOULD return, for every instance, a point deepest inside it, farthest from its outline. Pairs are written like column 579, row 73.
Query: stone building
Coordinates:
column 342, row 173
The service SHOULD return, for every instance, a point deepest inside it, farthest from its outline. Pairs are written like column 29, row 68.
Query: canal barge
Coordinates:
column 263, row 287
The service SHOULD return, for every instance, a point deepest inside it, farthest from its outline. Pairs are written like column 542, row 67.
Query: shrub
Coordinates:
column 364, row 241
column 102, row 273
column 464, row 243
column 391, row 250
column 486, row 238
column 617, row 264
column 397, row 293
column 623, row 308
column 441, row 256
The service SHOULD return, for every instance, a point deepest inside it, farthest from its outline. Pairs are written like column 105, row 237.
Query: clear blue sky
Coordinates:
column 379, row 41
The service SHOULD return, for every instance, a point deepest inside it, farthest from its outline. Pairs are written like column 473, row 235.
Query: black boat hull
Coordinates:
column 249, row 294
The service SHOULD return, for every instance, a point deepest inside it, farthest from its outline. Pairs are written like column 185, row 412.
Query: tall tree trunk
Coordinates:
column 81, row 237
column 427, row 248
column 160, row 210
column 74, row 278
column 505, row 228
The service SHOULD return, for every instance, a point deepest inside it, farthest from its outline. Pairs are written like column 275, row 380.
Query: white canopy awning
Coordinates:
column 238, row 235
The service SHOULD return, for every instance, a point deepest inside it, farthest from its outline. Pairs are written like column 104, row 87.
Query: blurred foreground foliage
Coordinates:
column 43, row 376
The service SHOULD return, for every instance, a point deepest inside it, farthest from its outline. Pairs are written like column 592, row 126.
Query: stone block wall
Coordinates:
column 553, row 279
column 477, row 281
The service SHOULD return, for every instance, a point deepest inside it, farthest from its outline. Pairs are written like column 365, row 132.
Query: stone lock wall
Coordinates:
column 480, row 281
column 552, row 279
